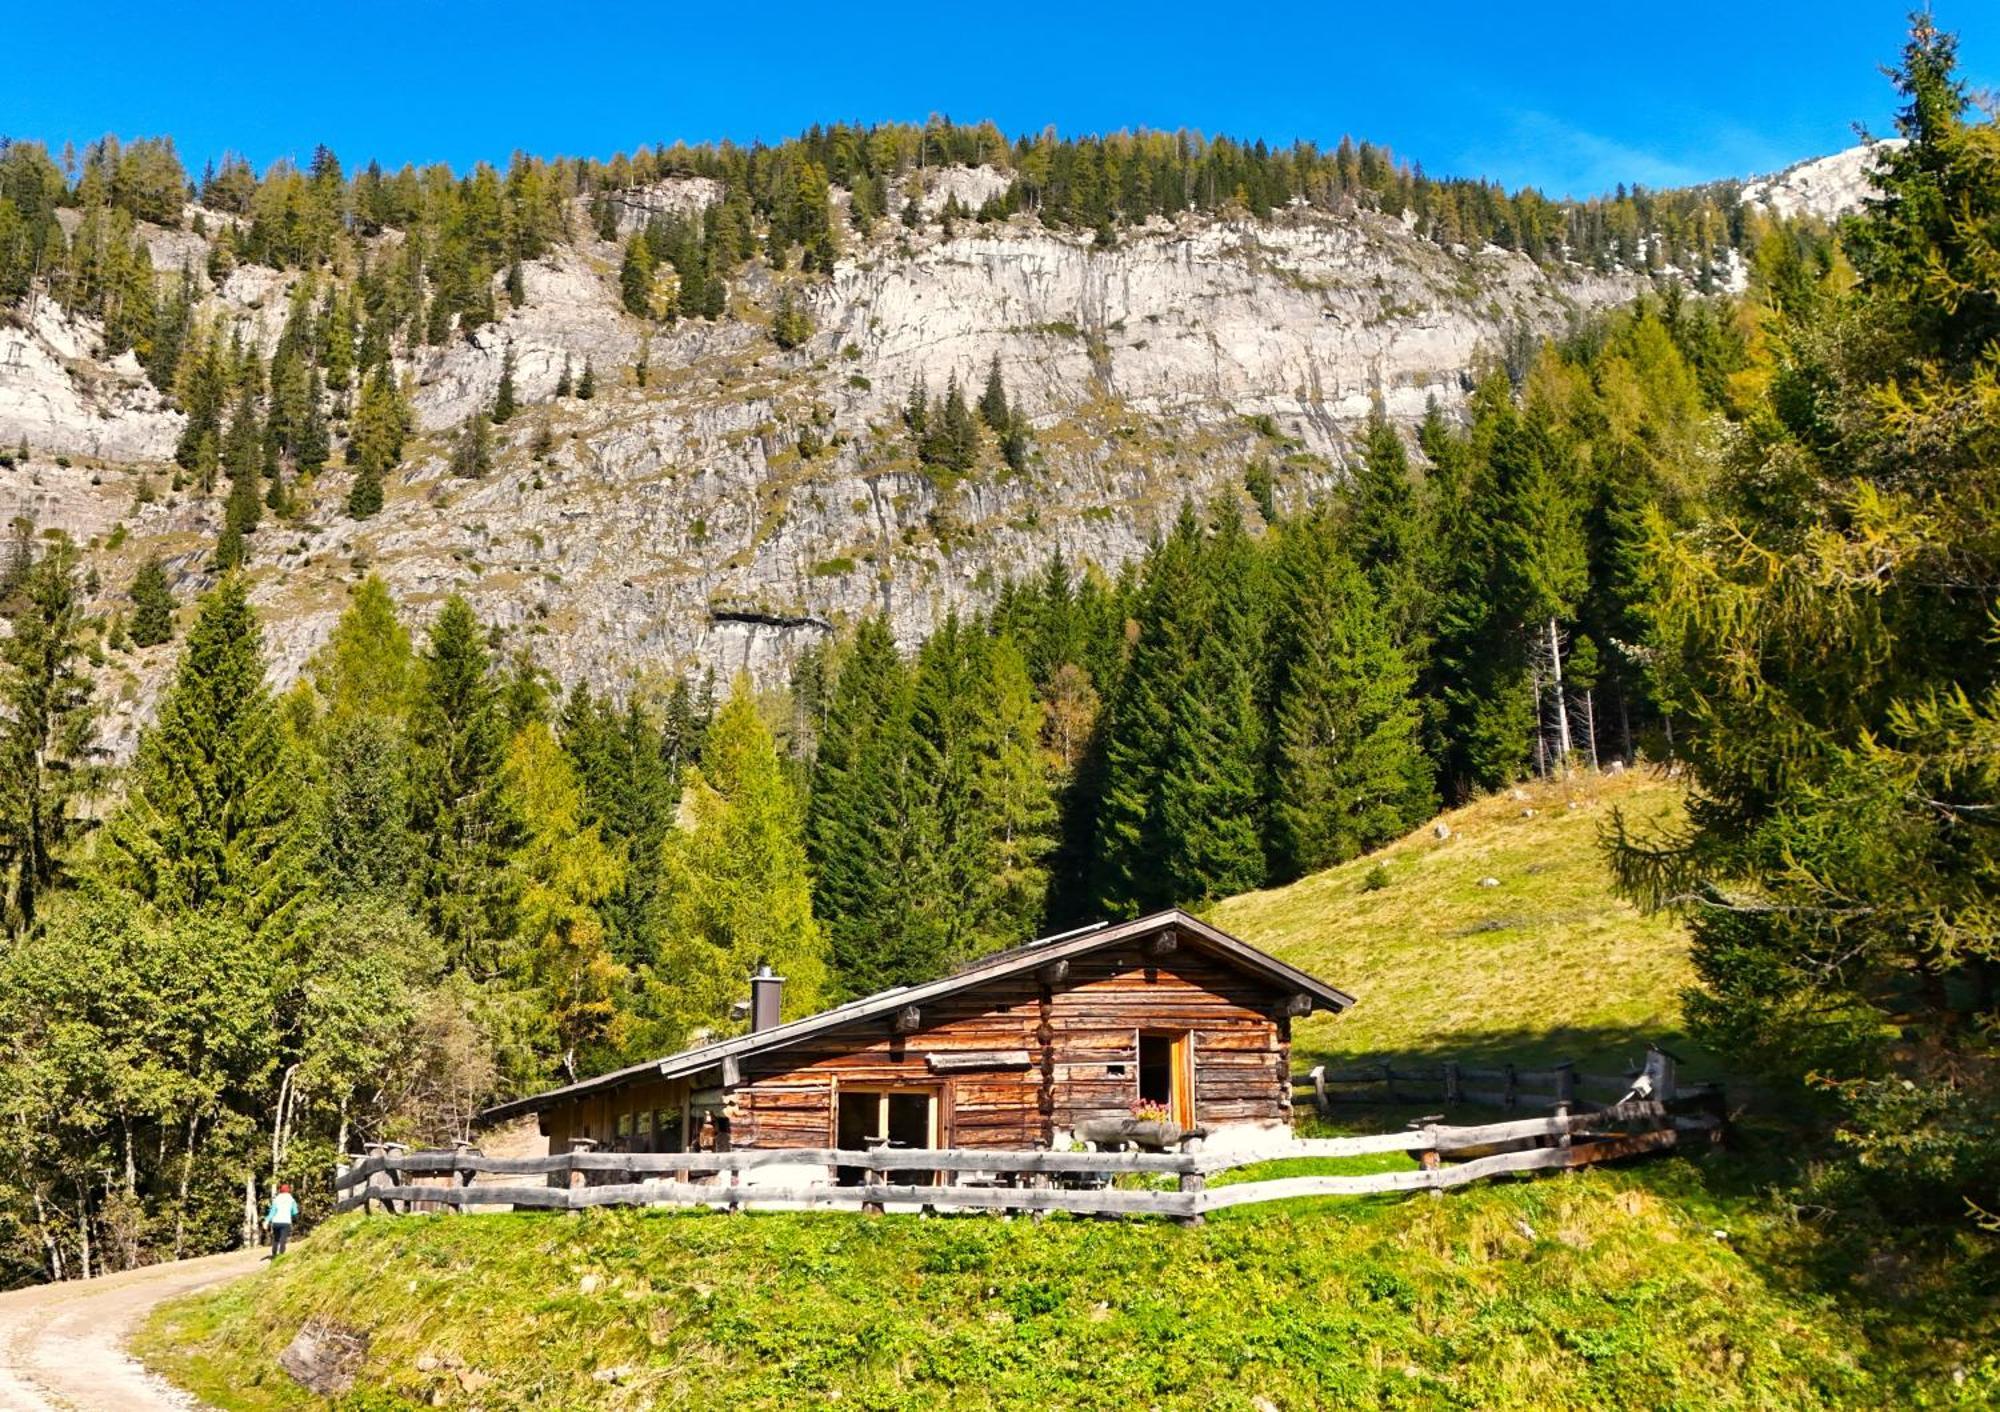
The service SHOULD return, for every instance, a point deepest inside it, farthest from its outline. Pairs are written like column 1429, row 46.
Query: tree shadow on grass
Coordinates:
column 1596, row 1050
column 1924, row 1295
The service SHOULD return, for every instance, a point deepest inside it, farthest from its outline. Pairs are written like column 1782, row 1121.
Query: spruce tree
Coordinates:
column 314, row 443
column 48, row 736
column 952, row 716
column 953, row 441
column 1172, row 617
column 1015, row 443
column 504, row 405
column 630, row 774
column 1347, row 771
column 1212, row 790
column 211, row 819
column 364, row 498
column 586, row 386
column 993, row 409
column 456, row 809
column 854, row 799
column 1386, row 532
column 1481, row 667
column 152, row 605
column 368, row 847
column 565, row 385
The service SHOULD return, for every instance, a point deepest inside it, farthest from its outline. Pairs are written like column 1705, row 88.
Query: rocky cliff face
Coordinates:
column 1825, row 188
column 676, row 526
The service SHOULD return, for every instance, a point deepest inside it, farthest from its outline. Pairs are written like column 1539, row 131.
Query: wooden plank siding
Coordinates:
column 1080, row 1036
column 595, row 1116
column 1241, row 1051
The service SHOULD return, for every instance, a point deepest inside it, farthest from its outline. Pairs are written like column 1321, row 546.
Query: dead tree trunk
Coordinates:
column 1562, row 707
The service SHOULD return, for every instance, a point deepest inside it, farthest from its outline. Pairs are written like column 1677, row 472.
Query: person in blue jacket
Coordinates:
column 284, row 1210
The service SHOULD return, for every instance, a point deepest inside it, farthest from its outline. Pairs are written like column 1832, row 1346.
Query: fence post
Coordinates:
column 1565, row 1096
column 578, row 1178
column 874, row 1176
column 376, row 1178
column 391, row 1151
column 1193, row 1183
column 462, row 1175
column 1511, row 1095
column 1319, row 1088
column 1452, row 1086
column 1660, row 1068
column 1428, row 1158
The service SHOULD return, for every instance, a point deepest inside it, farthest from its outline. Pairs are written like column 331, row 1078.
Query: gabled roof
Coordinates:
column 1031, row 956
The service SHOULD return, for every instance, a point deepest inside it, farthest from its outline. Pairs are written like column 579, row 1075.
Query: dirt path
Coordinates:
column 62, row 1347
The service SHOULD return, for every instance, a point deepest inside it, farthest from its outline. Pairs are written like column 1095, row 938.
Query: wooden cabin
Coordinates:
column 1017, row 1050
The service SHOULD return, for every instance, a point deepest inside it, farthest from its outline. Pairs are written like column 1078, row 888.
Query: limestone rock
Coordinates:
column 324, row 1358
column 678, row 528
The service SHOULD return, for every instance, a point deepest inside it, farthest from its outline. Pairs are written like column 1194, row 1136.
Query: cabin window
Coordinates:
column 667, row 1130
column 1166, row 1073
column 875, row 1117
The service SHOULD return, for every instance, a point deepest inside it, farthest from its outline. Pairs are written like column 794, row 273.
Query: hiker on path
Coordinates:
column 284, row 1210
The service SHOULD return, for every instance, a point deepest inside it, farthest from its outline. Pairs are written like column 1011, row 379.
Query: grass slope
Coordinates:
column 1668, row 1284
column 1546, row 965
column 1604, row 1290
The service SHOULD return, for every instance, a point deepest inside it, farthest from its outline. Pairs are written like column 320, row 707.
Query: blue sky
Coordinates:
column 1571, row 98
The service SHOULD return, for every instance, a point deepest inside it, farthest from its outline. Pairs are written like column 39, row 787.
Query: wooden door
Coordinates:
column 1183, row 1068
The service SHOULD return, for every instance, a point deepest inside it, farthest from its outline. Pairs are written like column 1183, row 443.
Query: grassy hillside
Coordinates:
column 1603, row 1290
column 1667, row 1284
column 1546, row 964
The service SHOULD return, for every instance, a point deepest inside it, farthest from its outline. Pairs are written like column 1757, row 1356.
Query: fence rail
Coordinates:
column 980, row 1180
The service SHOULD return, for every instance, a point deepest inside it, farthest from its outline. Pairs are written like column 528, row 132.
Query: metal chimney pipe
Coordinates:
column 767, row 993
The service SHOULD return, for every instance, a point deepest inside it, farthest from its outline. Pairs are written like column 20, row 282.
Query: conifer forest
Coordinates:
column 1739, row 526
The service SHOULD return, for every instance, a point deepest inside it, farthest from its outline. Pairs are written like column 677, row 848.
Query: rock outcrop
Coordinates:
column 676, row 526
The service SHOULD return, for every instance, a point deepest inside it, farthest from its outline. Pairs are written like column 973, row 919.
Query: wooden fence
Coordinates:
column 1560, row 1086
column 957, row 1179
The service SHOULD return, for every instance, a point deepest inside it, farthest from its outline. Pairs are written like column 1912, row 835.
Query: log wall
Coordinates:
column 1080, row 1036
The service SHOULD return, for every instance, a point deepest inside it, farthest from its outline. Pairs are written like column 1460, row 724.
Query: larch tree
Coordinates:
column 1020, row 800
column 563, row 871
column 1826, row 641
column 737, row 894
